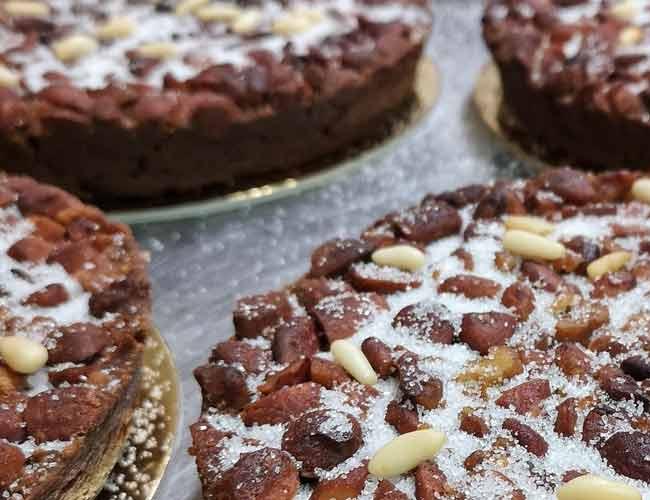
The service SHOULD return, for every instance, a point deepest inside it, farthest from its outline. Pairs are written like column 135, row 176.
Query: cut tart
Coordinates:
column 74, row 311
column 574, row 75
column 145, row 99
column 488, row 343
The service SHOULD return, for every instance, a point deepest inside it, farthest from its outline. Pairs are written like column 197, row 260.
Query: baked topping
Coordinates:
column 596, row 51
column 525, row 377
column 157, row 42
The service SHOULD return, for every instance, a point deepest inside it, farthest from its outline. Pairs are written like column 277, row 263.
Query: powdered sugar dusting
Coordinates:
column 532, row 475
column 197, row 45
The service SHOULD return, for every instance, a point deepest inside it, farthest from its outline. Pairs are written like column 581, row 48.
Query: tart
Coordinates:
column 74, row 310
column 124, row 99
column 574, row 78
column 487, row 343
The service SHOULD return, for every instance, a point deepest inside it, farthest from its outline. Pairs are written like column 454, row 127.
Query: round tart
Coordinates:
column 144, row 99
column 488, row 343
column 74, row 311
column 575, row 77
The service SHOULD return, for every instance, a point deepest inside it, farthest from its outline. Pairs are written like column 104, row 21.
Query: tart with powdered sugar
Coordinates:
column 74, row 311
column 574, row 75
column 488, row 343
column 148, row 98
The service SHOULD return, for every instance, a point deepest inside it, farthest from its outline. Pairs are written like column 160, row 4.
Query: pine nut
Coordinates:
column 406, row 452
column 26, row 8
column 404, row 257
column 641, row 190
column 157, row 50
column 630, row 36
column 591, row 487
column 23, row 355
column 74, row 47
column 248, row 21
column 354, row 361
column 117, row 27
column 532, row 246
column 609, row 263
column 189, row 6
column 625, row 10
column 535, row 225
column 218, row 12
column 8, row 78
column 296, row 21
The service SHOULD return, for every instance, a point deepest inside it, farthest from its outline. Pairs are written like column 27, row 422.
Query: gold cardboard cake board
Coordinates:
column 427, row 91
column 152, row 432
column 488, row 99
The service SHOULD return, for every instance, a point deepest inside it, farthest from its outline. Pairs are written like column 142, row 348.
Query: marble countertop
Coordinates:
column 200, row 267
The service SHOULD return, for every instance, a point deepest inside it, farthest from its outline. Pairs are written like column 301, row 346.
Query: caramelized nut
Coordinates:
column 501, row 364
column 189, row 6
column 354, row 361
column 26, row 8
column 219, row 11
column 532, row 246
column 609, row 263
column 379, row 355
column 23, row 355
column 74, row 47
column 641, row 190
column 248, row 21
column 157, row 50
column 404, row 257
column 114, row 28
column 591, row 487
column 406, row 452
column 536, row 225
column 8, row 78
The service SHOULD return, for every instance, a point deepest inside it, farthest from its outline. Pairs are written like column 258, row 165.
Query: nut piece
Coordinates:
column 591, row 487
column 536, row 225
column 189, row 6
column 406, row 452
column 532, row 246
column 625, row 10
column 404, row 257
column 8, row 78
column 219, row 11
column 296, row 21
column 74, row 47
column 641, row 190
column 354, row 361
column 114, row 28
column 630, row 36
column 609, row 263
column 248, row 21
column 24, row 8
column 23, row 355
column 157, row 50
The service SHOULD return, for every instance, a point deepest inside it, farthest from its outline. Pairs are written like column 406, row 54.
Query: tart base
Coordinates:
column 101, row 449
column 138, row 476
column 488, row 100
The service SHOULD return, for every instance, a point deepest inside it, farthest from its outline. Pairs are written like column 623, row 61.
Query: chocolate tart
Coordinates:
column 501, row 331
column 75, row 311
column 127, row 99
column 575, row 78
